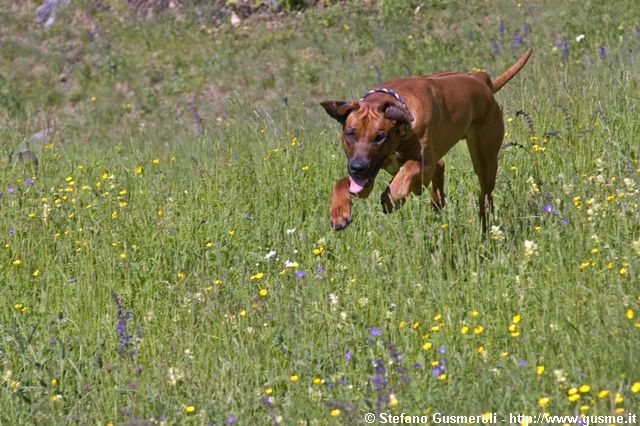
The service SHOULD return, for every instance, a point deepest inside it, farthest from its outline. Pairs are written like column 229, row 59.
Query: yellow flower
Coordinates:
column 415, row 325
column 393, row 401
column 512, row 327
column 294, row 378
column 635, row 387
column 123, row 256
column 543, row 402
column 318, row 250
column 444, row 226
column 105, row 175
column 629, row 313
column 262, row 292
column 257, row 276
column 139, row 170
column 622, row 271
column 618, row 398
column 480, row 349
column 54, row 382
column 217, row 282
column 268, row 391
column 305, row 168
column 180, row 275
column 156, row 161
column 190, row 409
column 437, row 317
column 464, row 329
column 243, row 313
column 335, row 412
column 294, row 141
column 36, row 273
column 56, row 397
column 572, row 391
column 442, row 377
column 539, row 370
column 603, row 394
column 478, row 329
column 17, row 263
column 584, row 388
column 317, row 381
column 427, row 346
column 574, row 398
column 594, row 250
column 475, row 313
column 516, row 319
column 583, row 408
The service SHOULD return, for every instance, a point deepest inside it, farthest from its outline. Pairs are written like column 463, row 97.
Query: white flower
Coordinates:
column 580, row 38
column 530, row 248
column 290, row 264
column 291, row 231
column 363, row 301
column 496, row 233
column 333, row 298
column 269, row 255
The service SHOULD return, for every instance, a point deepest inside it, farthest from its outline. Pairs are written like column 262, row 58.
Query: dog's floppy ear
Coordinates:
column 339, row 110
column 398, row 115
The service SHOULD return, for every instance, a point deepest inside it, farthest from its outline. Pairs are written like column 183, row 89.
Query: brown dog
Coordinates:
column 407, row 125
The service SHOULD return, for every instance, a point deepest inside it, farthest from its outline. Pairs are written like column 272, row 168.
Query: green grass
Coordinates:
column 129, row 199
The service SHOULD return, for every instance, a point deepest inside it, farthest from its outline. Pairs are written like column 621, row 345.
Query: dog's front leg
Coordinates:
column 411, row 177
column 340, row 210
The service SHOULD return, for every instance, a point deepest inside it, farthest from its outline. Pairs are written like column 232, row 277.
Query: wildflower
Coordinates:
column 290, row 264
column 603, row 394
column 427, row 346
column 270, row 254
column 190, row 409
column 335, row 412
column 580, row 37
column 584, row 389
column 543, row 402
column 294, row 378
column 522, row 362
column 55, row 382
column 299, row 274
column 374, row 331
column 230, row 420
column 36, row 273
column 305, row 168
column 139, row 170
column 464, row 329
column 539, row 370
column 123, row 256
column 516, row 319
column 635, row 387
column 478, row 329
column 618, row 398
column 393, row 401
column 475, row 313
column 317, row 381
column 496, row 233
column 156, row 161
column 347, row 355
column 318, row 250
column 257, row 276
column 17, row 263
column 530, row 248
column 629, row 313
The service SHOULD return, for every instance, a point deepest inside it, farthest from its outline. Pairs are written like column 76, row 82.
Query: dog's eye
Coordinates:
column 379, row 137
column 350, row 135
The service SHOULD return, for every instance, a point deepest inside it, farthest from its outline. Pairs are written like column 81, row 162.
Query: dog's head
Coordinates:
column 370, row 134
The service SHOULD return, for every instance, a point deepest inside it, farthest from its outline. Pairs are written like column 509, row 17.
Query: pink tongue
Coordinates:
column 356, row 185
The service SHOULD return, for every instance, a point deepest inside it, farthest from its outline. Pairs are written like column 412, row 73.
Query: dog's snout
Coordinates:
column 358, row 167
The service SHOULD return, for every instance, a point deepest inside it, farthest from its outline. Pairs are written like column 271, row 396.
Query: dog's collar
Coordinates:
column 387, row 91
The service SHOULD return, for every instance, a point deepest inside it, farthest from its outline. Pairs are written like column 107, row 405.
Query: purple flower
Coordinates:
column 11, row 190
column 417, row 364
column 347, row 355
column 548, row 208
column 637, row 31
column 564, row 222
column 439, row 369
column 501, row 29
column 525, row 29
column 12, row 231
column 342, row 382
column 375, row 331
column 230, row 420
column 132, row 384
column 124, row 343
column 563, row 45
column 496, row 47
column 522, row 362
column 27, row 181
column 319, row 268
column 137, row 370
column 603, row 52
column 442, row 349
column 52, row 341
column 300, row 274
column 517, row 38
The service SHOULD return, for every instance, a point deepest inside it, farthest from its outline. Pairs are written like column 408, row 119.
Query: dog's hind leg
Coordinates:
column 484, row 141
column 437, row 186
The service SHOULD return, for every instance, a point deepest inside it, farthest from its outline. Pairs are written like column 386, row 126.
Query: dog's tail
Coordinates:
column 513, row 70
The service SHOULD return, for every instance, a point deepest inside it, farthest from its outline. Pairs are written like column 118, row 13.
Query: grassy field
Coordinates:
column 169, row 260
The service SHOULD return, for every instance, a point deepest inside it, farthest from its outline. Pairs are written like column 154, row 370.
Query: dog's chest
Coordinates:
column 392, row 163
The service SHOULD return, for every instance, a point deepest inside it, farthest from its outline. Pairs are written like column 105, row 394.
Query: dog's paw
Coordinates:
column 340, row 217
column 389, row 205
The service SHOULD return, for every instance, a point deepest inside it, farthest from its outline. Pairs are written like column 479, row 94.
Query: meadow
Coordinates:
column 169, row 259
